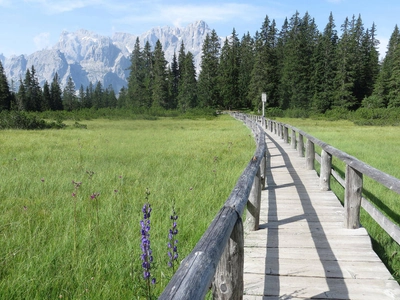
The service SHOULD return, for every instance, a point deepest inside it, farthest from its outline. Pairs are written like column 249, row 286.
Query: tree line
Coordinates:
column 298, row 67
column 32, row 97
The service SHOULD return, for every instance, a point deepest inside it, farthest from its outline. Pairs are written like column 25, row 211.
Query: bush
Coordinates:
column 24, row 120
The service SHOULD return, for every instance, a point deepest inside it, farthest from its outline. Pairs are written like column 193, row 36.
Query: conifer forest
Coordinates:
column 298, row 66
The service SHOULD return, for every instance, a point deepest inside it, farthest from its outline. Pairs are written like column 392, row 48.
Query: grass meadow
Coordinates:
column 379, row 147
column 58, row 246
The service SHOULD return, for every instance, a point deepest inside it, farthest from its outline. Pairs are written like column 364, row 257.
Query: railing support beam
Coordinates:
column 326, row 166
column 310, row 155
column 352, row 198
column 228, row 280
column 253, row 205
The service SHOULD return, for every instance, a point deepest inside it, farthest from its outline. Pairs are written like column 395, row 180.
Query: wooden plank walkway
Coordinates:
column 301, row 250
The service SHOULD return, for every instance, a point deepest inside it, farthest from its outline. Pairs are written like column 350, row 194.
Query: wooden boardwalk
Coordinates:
column 301, row 250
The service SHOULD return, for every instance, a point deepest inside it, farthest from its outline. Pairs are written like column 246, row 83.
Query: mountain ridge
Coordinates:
column 86, row 56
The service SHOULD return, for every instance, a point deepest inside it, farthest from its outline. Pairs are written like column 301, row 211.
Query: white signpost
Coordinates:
column 263, row 99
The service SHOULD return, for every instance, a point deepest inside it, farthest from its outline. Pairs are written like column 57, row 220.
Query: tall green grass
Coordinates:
column 54, row 245
column 377, row 146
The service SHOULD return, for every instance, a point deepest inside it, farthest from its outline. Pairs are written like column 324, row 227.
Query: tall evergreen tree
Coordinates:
column 229, row 72
column 265, row 74
column 245, row 69
column 371, row 60
column 297, row 63
column 148, row 80
column 136, row 77
column 97, row 100
column 382, row 86
column 187, row 97
column 46, row 99
column 208, row 93
column 324, row 61
column 5, row 94
column 160, row 84
column 349, row 63
column 55, row 94
column 173, row 82
column 69, row 98
column 33, row 93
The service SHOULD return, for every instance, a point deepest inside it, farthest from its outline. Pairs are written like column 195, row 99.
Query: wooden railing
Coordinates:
column 217, row 259
column 353, row 182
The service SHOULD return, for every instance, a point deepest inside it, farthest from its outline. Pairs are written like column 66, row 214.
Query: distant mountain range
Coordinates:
column 88, row 57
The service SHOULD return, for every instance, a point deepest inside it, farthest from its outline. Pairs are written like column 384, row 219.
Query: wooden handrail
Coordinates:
column 213, row 252
column 355, row 169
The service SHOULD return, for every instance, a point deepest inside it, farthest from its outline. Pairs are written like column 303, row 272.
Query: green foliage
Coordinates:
column 208, row 92
column 24, row 120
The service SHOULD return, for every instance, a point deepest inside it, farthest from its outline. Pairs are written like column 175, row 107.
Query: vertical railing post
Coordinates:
column 300, row 145
column 293, row 139
column 326, row 166
column 352, row 198
column 263, row 170
column 253, row 205
column 228, row 279
column 275, row 127
column 285, row 134
column 310, row 155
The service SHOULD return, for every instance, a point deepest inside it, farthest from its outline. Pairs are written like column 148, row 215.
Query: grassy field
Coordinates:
column 378, row 147
column 55, row 245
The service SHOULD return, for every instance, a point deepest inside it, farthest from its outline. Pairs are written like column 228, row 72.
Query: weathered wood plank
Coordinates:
column 319, row 288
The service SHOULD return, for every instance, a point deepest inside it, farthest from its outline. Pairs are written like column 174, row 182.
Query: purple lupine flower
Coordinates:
column 94, row 196
column 172, row 241
column 146, row 256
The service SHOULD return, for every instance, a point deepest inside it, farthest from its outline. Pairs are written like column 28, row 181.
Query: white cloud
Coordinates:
column 182, row 14
column 42, row 41
column 60, row 6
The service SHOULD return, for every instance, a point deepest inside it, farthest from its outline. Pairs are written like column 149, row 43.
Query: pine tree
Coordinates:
column 69, row 98
column 160, row 84
column 208, row 94
column 21, row 96
column 245, row 69
column 265, row 74
column 33, row 95
column 371, row 62
column 97, row 100
column 5, row 95
column 148, row 80
column 55, row 94
column 297, row 64
column 187, row 96
column 229, row 72
column 136, row 77
column 46, row 97
column 345, row 75
column 122, row 98
column 325, row 68
column 394, row 80
column 82, row 97
column 174, row 82
column 382, row 85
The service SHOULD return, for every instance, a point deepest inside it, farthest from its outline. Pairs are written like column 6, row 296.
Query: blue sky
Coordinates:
column 31, row 25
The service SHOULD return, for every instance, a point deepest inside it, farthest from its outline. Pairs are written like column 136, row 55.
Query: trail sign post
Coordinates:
column 263, row 99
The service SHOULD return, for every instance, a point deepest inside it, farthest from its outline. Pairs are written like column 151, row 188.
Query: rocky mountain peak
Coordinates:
column 86, row 56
